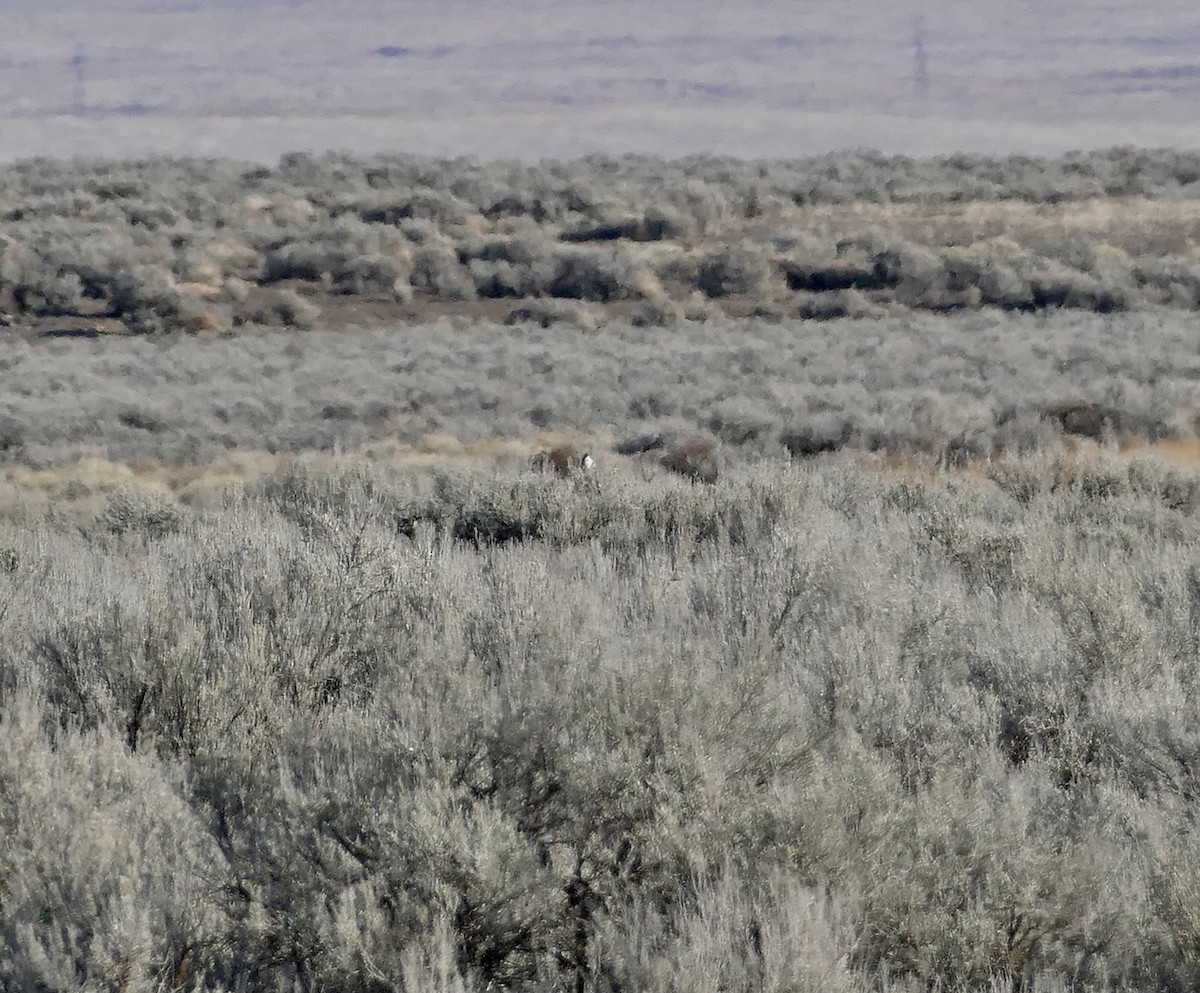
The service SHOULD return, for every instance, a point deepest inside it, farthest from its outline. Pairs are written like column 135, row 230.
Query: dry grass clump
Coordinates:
column 694, row 458
column 366, row 728
column 284, row 306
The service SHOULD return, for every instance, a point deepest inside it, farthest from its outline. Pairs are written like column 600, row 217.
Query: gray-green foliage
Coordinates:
column 156, row 243
column 110, row 878
column 803, row 728
column 952, row 387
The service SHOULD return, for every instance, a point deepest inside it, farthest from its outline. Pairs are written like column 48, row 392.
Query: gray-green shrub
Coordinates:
column 362, row 728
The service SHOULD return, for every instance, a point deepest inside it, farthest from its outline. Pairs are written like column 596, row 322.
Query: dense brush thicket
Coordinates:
column 736, row 709
column 957, row 388
column 809, row 728
column 205, row 245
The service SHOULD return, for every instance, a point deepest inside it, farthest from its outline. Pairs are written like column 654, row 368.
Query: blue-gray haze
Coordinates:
column 562, row 78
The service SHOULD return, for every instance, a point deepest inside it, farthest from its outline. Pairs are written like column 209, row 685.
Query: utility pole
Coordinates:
column 78, row 62
column 920, row 60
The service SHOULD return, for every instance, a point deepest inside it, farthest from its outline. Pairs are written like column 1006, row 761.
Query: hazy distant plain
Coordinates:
column 545, row 78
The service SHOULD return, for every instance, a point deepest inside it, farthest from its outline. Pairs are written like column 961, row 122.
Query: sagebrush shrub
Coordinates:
column 733, row 269
column 364, row 727
column 280, row 307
